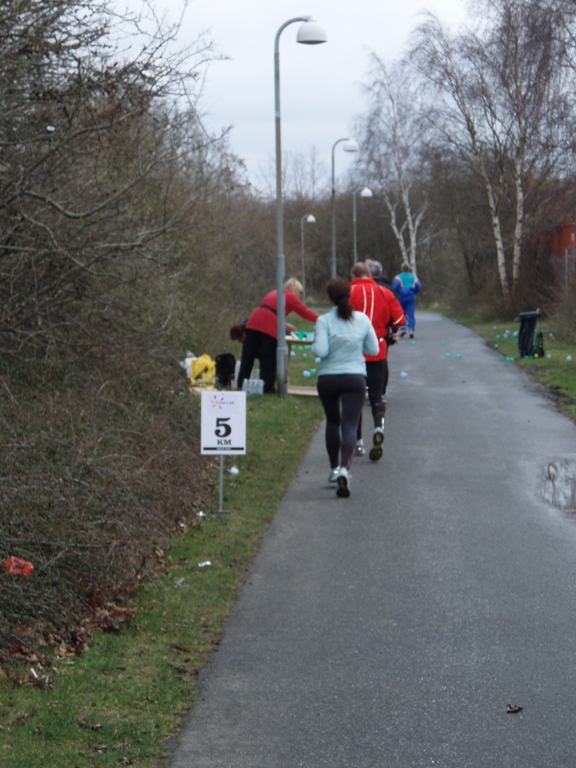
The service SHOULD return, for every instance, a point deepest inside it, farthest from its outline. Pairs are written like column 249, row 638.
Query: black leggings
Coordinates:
column 376, row 381
column 259, row 345
column 342, row 396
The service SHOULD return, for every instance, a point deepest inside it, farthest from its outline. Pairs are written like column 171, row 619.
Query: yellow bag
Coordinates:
column 203, row 372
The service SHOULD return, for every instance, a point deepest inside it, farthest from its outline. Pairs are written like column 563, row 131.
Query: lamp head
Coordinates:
column 365, row 192
column 311, row 219
column 350, row 145
column 311, row 33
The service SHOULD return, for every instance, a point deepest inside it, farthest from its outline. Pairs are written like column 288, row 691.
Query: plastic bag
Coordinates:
column 538, row 348
column 187, row 364
column 203, row 372
column 225, row 368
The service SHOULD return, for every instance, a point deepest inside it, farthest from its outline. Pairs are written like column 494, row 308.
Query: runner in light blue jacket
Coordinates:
column 341, row 338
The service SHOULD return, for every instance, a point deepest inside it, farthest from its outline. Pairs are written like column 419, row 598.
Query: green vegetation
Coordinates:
column 555, row 371
column 121, row 701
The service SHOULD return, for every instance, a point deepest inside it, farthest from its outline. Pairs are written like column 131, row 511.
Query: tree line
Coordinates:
column 470, row 140
column 467, row 143
column 120, row 213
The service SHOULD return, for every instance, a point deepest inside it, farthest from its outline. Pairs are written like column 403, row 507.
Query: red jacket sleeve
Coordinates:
column 293, row 304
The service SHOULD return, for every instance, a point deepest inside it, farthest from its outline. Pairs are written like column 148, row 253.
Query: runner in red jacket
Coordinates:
column 385, row 312
column 261, row 338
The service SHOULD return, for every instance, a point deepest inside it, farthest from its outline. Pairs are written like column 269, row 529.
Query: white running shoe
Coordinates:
column 343, row 480
column 360, row 450
column 333, row 476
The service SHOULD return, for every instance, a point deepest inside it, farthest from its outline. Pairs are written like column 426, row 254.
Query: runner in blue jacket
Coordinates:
column 406, row 285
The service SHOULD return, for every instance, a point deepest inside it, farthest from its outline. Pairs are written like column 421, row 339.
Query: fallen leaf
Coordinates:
column 513, row 709
column 17, row 566
column 19, row 721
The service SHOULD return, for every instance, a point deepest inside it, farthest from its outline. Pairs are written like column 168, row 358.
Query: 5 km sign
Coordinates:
column 223, row 422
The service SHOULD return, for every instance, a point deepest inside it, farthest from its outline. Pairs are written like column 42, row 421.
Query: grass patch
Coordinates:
column 122, row 701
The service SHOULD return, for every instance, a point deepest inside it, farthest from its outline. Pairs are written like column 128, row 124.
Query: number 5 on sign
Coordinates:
column 223, row 423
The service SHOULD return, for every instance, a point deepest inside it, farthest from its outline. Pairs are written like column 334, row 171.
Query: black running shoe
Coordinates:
column 377, row 440
column 343, row 482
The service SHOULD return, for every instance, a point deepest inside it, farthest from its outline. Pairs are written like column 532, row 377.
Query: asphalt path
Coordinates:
column 393, row 628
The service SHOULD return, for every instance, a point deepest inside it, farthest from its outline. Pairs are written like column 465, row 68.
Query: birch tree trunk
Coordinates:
column 393, row 151
column 519, row 224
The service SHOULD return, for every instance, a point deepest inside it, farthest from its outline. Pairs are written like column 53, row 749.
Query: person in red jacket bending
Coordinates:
column 385, row 312
column 261, row 339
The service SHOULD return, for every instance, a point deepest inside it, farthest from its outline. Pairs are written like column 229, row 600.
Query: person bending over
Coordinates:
column 261, row 333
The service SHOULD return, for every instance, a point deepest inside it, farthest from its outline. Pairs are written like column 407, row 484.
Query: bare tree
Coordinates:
column 303, row 176
column 92, row 141
column 501, row 105
column 392, row 138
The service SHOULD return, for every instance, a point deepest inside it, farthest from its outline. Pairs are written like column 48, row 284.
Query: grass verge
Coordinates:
column 122, row 701
column 556, row 371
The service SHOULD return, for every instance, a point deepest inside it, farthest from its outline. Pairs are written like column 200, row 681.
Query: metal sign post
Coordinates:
column 223, row 428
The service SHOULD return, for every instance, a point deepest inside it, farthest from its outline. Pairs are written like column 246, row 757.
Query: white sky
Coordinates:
column 320, row 91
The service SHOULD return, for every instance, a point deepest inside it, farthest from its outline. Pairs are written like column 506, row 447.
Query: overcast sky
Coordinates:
column 320, row 85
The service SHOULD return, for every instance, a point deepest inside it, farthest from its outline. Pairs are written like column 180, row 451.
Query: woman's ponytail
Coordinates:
column 338, row 291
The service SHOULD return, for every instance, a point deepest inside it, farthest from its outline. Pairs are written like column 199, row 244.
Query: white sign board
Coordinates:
column 223, row 423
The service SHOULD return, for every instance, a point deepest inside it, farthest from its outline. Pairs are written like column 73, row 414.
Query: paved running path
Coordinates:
column 392, row 629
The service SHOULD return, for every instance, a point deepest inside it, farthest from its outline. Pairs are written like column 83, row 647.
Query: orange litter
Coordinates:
column 17, row 566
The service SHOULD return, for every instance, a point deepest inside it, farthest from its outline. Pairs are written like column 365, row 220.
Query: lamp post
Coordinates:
column 364, row 192
column 311, row 220
column 350, row 146
column 309, row 33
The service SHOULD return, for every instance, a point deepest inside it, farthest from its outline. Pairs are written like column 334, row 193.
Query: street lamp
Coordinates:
column 364, row 192
column 311, row 220
column 309, row 33
column 350, row 145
